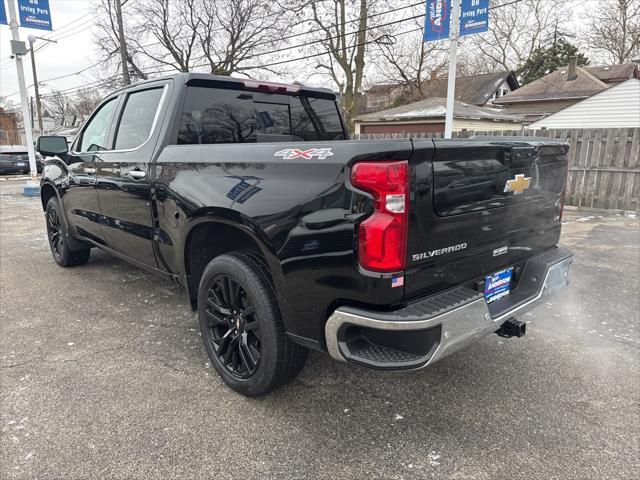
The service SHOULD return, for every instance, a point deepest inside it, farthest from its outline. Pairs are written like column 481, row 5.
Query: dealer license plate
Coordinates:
column 20, row 164
column 497, row 285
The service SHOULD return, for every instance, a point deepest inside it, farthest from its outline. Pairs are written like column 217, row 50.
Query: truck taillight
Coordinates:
column 382, row 242
column 270, row 87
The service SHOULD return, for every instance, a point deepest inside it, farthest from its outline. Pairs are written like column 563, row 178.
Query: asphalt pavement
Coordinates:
column 103, row 375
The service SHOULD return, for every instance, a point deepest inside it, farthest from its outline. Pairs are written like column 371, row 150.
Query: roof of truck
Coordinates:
column 189, row 77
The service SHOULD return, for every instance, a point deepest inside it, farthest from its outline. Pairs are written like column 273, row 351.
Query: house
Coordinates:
column 472, row 89
column 615, row 107
column 477, row 90
column 428, row 116
column 563, row 88
column 614, row 74
column 380, row 96
column 9, row 128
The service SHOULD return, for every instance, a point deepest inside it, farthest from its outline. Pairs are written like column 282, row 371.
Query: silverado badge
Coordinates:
column 518, row 185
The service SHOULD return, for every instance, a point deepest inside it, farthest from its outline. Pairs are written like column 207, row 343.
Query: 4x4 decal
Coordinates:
column 291, row 153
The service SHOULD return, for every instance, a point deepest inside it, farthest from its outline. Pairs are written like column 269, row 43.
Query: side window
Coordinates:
column 94, row 136
column 315, row 119
column 137, row 118
column 217, row 116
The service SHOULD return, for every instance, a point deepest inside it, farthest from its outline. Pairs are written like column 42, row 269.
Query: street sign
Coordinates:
column 474, row 17
column 437, row 20
column 3, row 14
column 35, row 14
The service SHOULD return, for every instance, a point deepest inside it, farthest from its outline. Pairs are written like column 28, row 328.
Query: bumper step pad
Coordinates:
column 430, row 329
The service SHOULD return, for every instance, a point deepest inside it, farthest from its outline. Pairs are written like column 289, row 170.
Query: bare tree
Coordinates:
column 343, row 30
column 408, row 61
column 107, row 40
column 223, row 37
column 235, row 33
column 85, row 101
column 172, row 27
column 59, row 106
column 516, row 29
column 615, row 30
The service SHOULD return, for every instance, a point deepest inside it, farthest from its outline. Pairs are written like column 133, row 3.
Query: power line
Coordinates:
column 322, row 40
column 263, row 43
column 154, row 70
column 280, row 62
column 306, row 32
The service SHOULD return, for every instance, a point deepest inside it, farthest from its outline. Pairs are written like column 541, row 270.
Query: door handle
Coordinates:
column 137, row 174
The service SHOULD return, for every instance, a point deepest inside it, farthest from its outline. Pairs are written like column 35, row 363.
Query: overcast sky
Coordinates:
column 73, row 28
column 72, row 25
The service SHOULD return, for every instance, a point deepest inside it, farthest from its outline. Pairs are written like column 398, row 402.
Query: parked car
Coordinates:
column 287, row 236
column 15, row 159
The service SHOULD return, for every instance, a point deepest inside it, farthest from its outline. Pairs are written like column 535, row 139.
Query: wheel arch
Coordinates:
column 48, row 191
column 211, row 236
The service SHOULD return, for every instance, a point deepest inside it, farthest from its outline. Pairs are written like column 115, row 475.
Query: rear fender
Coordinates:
column 244, row 225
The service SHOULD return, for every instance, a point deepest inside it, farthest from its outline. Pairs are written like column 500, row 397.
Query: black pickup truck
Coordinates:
column 288, row 236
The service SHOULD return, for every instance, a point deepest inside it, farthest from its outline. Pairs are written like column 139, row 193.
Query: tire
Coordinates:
column 57, row 235
column 241, row 326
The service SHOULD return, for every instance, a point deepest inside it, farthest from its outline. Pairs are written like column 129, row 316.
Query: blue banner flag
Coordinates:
column 474, row 17
column 3, row 13
column 34, row 14
column 437, row 22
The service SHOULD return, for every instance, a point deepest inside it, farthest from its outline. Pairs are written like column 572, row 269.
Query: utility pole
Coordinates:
column 123, row 44
column 18, row 49
column 453, row 59
column 32, row 39
column 31, row 111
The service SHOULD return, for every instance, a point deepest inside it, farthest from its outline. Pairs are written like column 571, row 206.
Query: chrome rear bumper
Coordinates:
column 441, row 324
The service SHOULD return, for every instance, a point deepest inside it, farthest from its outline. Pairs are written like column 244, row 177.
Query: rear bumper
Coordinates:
column 426, row 331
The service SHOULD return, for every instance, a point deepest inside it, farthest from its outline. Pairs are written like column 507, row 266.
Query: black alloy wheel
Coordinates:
column 54, row 231
column 234, row 329
column 61, row 249
column 241, row 325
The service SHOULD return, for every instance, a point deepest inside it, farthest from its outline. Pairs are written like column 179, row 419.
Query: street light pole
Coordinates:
column 453, row 57
column 18, row 50
column 32, row 40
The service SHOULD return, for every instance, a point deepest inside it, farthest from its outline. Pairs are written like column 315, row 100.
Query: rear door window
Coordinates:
column 212, row 115
column 137, row 118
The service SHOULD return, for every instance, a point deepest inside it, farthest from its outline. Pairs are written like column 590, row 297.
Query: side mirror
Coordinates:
column 50, row 146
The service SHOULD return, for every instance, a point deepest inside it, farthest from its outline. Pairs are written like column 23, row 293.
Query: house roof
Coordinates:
column 435, row 107
column 556, row 86
column 381, row 88
column 615, row 107
column 473, row 89
column 615, row 73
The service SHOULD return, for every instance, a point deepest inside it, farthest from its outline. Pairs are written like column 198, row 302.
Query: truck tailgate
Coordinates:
column 481, row 205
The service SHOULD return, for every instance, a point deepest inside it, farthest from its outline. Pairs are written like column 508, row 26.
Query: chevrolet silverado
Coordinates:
column 287, row 236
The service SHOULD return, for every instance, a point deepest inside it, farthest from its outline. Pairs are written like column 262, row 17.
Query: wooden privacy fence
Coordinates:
column 604, row 164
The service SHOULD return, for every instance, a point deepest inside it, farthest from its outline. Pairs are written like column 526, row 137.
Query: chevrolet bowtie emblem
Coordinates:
column 517, row 185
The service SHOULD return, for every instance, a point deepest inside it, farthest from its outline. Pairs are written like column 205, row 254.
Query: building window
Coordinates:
column 4, row 137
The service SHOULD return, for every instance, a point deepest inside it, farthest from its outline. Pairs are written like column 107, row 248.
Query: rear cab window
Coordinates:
column 217, row 115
